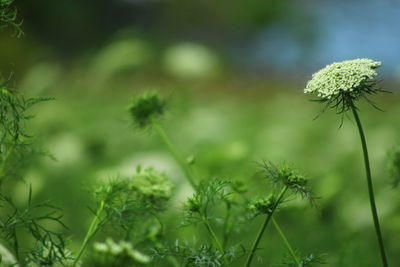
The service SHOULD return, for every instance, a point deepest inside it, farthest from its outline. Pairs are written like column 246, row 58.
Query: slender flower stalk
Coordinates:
column 264, row 226
column 213, row 235
column 286, row 242
column 371, row 189
column 145, row 110
column 227, row 224
column 184, row 166
column 90, row 233
column 339, row 86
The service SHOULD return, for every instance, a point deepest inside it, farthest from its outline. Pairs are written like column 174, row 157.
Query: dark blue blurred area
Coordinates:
column 282, row 36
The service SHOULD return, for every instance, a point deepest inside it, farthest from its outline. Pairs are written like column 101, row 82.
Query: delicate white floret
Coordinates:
column 341, row 76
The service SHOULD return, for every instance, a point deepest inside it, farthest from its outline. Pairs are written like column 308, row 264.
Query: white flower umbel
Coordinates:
column 339, row 77
column 339, row 86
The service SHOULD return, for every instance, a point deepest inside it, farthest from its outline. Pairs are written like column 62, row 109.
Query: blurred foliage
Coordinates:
column 222, row 121
column 85, row 25
column 225, row 133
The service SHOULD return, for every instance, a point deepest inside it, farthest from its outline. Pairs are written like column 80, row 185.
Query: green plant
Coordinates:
column 340, row 85
column 14, row 138
column 146, row 110
column 8, row 17
column 209, row 195
column 285, row 178
column 123, row 203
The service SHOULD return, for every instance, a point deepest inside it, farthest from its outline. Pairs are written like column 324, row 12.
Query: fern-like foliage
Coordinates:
column 198, row 208
column 14, row 138
column 30, row 222
column 8, row 17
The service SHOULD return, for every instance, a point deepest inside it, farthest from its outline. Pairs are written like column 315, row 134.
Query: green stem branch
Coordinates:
column 263, row 227
column 370, row 188
column 188, row 173
column 287, row 244
column 214, row 236
column 90, row 233
column 227, row 223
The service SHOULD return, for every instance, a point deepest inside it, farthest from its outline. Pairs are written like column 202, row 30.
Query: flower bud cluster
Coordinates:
column 339, row 77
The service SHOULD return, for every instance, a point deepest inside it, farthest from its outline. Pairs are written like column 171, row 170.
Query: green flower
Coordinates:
column 146, row 107
column 287, row 176
column 263, row 205
column 127, row 200
column 152, row 186
column 348, row 76
column 111, row 250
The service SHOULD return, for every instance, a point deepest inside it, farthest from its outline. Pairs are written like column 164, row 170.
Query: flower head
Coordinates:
column 340, row 83
column 152, row 186
column 146, row 107
column 345, row 76
column 110, row 250
column 285, row 175
column 127, row 199
column 264, row 205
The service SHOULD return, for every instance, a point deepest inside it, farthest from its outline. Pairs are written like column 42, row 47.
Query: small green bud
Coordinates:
column 152, row 186
column 263, row 205
column 239, row 186
column 191, row 160
column 192, row 205
column 146, row 107
column 5, row 92
column 287, row 176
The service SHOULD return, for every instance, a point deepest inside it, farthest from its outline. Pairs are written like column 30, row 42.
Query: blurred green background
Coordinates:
column 234, row 73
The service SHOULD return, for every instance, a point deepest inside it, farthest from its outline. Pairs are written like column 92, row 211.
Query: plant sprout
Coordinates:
column 123, row 201
column 340, row 85
column 285, row 178
column 146, row 111
column 14, row 138
column 122, row 253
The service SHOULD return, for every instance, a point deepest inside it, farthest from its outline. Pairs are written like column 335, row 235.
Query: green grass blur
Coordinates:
column 228, row 124
column 228, row 117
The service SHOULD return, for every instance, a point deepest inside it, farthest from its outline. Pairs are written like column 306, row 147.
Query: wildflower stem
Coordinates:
column 370, row 188
column 16, row 244
column 264, row 226
column 188, row 173
column 4, row 162
column 90, row 233
column 171, row 258
column 287, row 244
column 214, row 236
column 227, row 224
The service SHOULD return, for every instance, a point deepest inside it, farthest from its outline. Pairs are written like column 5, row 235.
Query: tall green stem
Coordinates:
column 214, row 236
column 287, row 244
column 171, row 259
column 370, row 188
column 227, row 224
column 4, row 162
column 263, row 227
column 90, row 233
column 188, row 173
